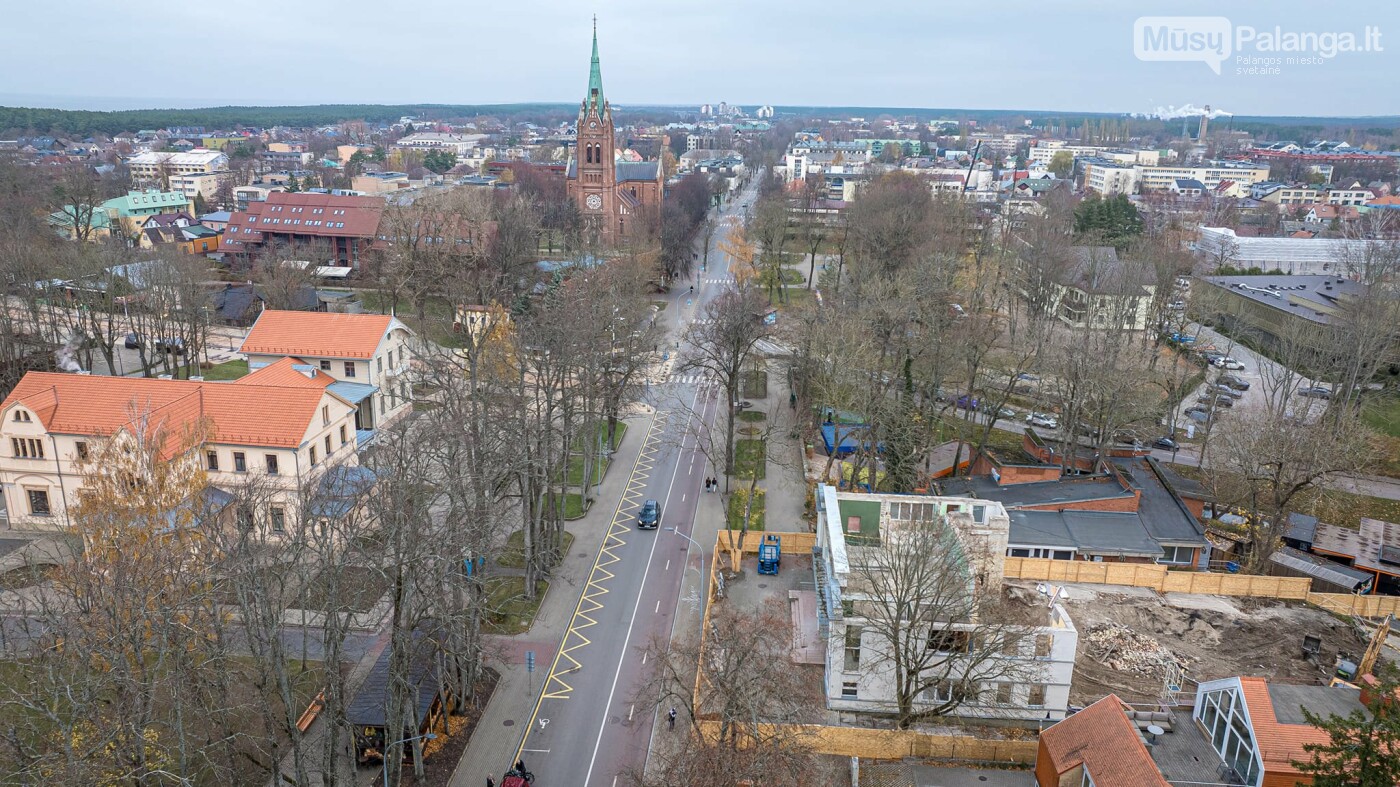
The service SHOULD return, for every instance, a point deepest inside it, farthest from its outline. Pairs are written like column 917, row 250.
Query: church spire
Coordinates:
column 595, row 75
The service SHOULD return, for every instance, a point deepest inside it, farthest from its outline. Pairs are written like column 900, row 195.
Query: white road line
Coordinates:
column 630, row 710
column 705, row 413
column 668, row 565
column 627, row 641
column 537, row 751
column 658, row 607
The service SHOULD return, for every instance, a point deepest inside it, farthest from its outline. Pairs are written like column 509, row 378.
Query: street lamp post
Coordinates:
column 701, row 572
column 426, row 736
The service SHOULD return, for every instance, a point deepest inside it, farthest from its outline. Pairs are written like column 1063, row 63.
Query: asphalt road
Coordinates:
column 593, row 722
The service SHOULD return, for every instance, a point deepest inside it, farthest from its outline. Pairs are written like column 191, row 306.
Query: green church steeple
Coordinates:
column 595, row 77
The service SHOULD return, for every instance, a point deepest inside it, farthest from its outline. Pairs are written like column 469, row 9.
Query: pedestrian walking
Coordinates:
column 490, row 782
column 671, row 718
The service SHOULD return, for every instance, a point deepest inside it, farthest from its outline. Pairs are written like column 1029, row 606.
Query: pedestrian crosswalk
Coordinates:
column 693, row 379
column 716, row 281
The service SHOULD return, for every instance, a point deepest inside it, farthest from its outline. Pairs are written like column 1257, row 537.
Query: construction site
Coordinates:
column 1148, row 647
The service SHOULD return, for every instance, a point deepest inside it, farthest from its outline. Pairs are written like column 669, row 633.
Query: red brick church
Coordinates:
column 612, row 195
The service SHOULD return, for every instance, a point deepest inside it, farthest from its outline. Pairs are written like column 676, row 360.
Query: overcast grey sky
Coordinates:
column 1025, row 54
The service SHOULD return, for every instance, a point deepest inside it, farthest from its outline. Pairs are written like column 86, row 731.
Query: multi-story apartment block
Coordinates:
column 200, row 184
column 1108, row 177
column 153, row 167
column 1354, row 195
column 1032, row 669
column 364, row 358
column 1210, row 174
column 280, row 428
column 347, row 225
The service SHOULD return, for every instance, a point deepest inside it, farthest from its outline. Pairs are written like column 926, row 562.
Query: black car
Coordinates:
column 1217, row 400
column 1231, row 381
column 1315, row 392
column 1165, row 443
column 650, row 515
column 174, row 346
column 135, row 341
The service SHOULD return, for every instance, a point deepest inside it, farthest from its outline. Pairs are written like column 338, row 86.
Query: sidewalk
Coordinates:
column 500, row 729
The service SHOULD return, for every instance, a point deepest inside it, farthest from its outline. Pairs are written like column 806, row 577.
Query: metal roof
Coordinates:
column 1321, row 568
column 354, row 393
column 1092, row 532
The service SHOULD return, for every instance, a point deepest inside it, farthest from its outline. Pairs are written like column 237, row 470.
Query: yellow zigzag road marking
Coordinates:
column 589, row 603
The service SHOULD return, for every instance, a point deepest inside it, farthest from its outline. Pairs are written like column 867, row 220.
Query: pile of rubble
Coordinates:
column 1117, row 647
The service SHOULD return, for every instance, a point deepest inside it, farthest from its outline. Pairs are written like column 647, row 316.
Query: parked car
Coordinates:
column 175, row 346
column 966, row 402
column 1315, row 392
column 1177, row 306
column 1042, row 420
column 650, row 516
column 135, row 341
column 1224, row 390
column 1211, row 356
column 1226, row 362
column 1217, row 401
column 1027, row 377
column 1199, row 414
column 1002, row 412
column 1165, row 443
column 1232, row 381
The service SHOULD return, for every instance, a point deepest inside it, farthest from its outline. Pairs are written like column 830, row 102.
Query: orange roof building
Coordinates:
column 367, row 357
column 283, row 425
column 1097, row 746
column 1258, row 728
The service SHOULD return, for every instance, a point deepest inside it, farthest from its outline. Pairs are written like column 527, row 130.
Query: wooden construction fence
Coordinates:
column 894, row 744
column 1158, row 578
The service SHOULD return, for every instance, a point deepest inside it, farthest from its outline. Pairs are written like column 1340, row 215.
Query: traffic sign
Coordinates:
column 529, row 661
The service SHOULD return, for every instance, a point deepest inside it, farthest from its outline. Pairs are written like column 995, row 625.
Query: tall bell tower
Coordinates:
column 595, row 188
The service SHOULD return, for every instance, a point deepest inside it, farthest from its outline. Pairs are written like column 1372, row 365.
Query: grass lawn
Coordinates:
column 513, row 555
column 1329, row 505
column 508, row 611
column 753, row 385
column 228, row 370
column 572, row 503
column 750, row 456
column 660, row 305
column 1382, row 413
column 589, row 438
column 752, row 416
column 796, row 296
column 223, row 372
column 358, row 590
column 575, row 473
column 737, row 501
column 26, row 576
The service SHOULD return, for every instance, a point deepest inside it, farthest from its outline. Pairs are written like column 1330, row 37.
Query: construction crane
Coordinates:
column 1373, row 648
column 967, row 181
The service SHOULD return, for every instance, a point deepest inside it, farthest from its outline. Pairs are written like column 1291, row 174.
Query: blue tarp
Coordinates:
column 850, row 438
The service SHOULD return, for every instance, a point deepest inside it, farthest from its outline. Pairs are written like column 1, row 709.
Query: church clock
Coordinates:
column 594, row 202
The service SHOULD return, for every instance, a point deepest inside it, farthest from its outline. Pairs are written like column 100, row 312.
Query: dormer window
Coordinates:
column 22, row 416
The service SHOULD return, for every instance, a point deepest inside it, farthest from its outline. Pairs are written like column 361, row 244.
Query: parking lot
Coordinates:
column 1259, row 372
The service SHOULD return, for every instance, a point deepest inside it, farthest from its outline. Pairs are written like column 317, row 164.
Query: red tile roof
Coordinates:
column 289, row 373
column 1103, row 739
column 317, row 334
column 238, row 413
column 1279, row 743
column 284, row 213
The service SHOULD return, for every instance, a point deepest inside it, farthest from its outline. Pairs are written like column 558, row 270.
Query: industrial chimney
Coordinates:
column 1205, row 123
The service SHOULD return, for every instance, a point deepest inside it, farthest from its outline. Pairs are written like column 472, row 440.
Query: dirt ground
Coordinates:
column 1125, row 634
